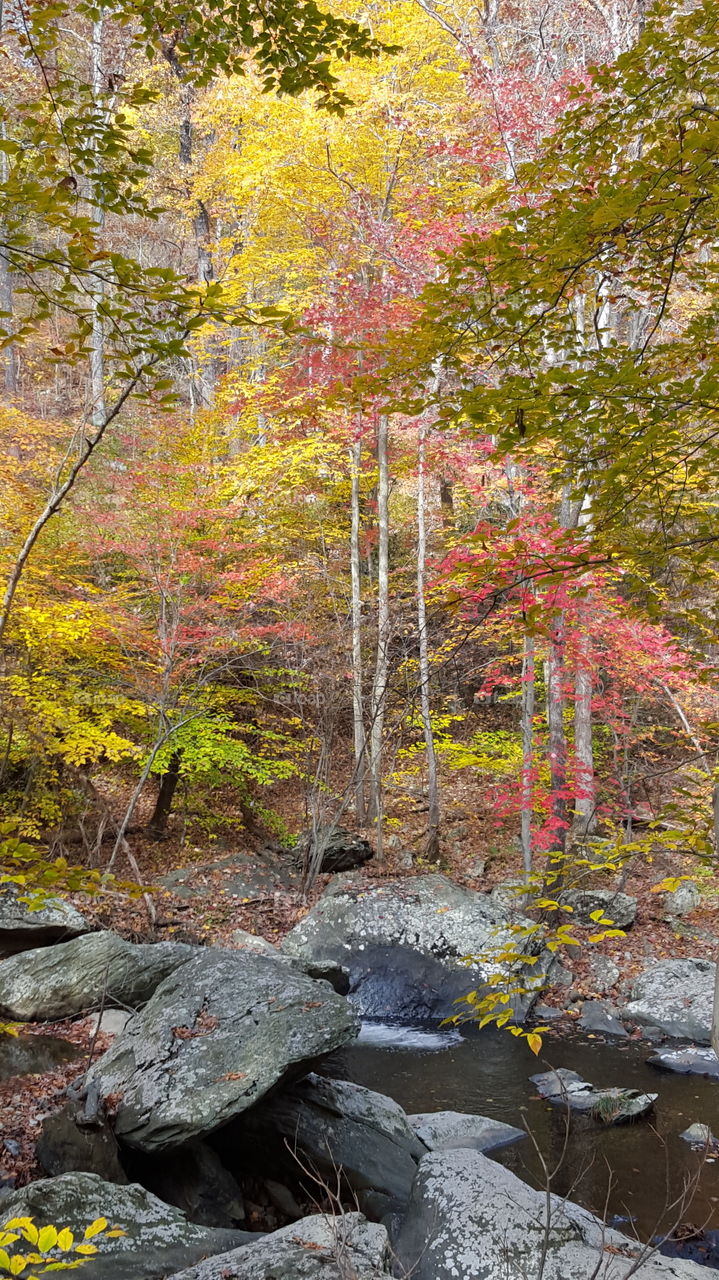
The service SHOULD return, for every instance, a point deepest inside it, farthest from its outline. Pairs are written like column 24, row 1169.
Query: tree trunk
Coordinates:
column 557, row 738
column 528, row 701
column 433, row 817
column 98, row 407
column 157, row 826
column 379, row 683
column 6, row 287
column 360, row 740
column 585, row 801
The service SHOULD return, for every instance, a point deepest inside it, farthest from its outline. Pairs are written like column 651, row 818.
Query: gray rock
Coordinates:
column 158, row 1239
column 508, row 895
column 597, row 1017
column 607, row 1106
column 689, row 1061
column 604, row 972
column 471, row 1219
column 74, row 977
column 110, row 1022
column 682, row 900
column 406, row 944
column 218, row 1033
column 21, row 928
column 194, row 1180
column 70, row 1143
column 318, row 1248
column 258, row 945
column 621, row 908
column 245, row 876
column 334, row 1125
column 443, row 1130
column 699, row 1135
column 340, row 850
column 676, row 995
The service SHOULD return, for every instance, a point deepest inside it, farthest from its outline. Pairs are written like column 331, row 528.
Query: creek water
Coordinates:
column 634, row 1174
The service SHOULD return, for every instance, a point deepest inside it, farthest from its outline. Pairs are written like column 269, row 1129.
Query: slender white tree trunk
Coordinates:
column 379, row 683
column 6, row 286
column 360, row 741
column 585, row 801
column 557, row 737
column 528, row 702
column 433, row 817
column 98, row 409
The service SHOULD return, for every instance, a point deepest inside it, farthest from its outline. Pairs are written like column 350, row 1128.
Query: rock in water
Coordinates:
column 318, row 1248
column 74, row 977
column 621, row 908
column 676, row 995
column 21, row 928
column 689, row 1061
column 607, row 1106
column 333, row 1126
column 699, row 1135
column 598, row 1018
column 406, row 944
column 158, row 1239
column 445, row 1130
column 471, row 1219
column 218, row 1033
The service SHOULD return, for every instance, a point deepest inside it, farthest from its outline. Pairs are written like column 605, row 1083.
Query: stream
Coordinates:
column 630, row 1172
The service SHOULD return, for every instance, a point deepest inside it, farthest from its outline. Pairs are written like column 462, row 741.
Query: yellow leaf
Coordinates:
column 17, row 1264
column 95, row 1228
column 85, row 1249
column 4, row 1259
column 534, row 1041
column 65, row 1239
column 47, row 1239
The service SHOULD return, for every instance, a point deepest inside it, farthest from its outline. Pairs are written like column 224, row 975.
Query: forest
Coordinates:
column 359, row 725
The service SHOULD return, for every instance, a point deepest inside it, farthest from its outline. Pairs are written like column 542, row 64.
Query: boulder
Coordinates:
column 604, row 973
column 688, row 1061
column 681, row 901
column 699, row 1135
column 341, row 850
column 471, row 1219
column 676, row 995
column 254, row 942
column 110, row 1022
column 323, row 1247
column 333, row 1126
column 22, row 928
column 194, row 1180
column 56, row 982
column 71, row 1142
column 407, row 943
column 444, row 1130
column 597, row 1017
column 157, row 1241
column 217, row 1034
column 607, row 1106
column 621, row 908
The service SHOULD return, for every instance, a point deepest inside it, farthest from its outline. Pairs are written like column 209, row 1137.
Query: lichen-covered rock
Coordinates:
column 621, row 908
column 407, row 943
column 218, row 1033
column 318, row 1248
column 597, row 1017
column 334, row 1126
column 22, row 928
column 676, row 995
column 157, row 1241
column 56, row 982
column 604, row 973
column 607, row 1106
column 445, row 1130
column 471, row 1219
column 682, row 900
column 337, row 849
column 687, row 1061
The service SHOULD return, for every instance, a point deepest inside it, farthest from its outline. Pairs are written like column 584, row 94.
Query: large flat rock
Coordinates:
column 55, row 982
column 157, row 1241
column 412, row 946
column 22, row 927
column 217, row 1034
column 471, row 1219
column 445, row 1130
column 678, row 996
column 317, row 1248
